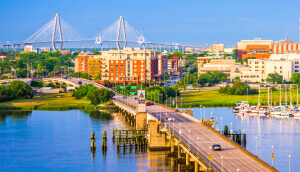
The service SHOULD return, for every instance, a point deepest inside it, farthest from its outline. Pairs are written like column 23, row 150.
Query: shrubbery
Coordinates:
column 16, row 89
column 238, row 88
column 93, row 93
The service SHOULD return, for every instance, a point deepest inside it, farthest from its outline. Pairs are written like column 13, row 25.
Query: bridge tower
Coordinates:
column 98, row 39
column 142, row 39
column 56, row 27
column 121, row 29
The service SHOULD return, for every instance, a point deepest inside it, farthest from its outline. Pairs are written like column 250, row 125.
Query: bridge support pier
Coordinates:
column 187, row 159
column 158, row 138
column 141, row 121
column 179, row 151
column 196, row 168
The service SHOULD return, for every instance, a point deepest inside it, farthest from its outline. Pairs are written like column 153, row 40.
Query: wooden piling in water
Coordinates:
column 93, row 139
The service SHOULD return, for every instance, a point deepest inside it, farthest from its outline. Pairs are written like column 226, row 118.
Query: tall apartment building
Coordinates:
column 173, row 64
column 129, row 65
column 81, row 62
column 95, row 66
column 162, row 64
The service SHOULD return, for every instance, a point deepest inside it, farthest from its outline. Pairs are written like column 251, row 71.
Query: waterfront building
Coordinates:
column 182, row 61
column 130, row 65
column 65, row 52
column 266, row 66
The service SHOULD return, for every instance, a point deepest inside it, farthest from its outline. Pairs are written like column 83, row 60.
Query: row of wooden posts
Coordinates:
column 136, row 139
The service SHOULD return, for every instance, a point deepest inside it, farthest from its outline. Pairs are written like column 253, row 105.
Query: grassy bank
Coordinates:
column 208, row 98
column 62, row 101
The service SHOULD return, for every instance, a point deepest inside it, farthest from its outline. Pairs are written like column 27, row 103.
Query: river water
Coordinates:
column 60, row 141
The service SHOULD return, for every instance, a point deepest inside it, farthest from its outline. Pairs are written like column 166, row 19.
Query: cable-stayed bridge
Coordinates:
column 57, row 31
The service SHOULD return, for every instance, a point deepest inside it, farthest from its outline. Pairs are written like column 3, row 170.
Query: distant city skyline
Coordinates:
column 183, row 22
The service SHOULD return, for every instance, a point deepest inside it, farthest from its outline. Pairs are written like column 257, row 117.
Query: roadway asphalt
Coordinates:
column 201, row 139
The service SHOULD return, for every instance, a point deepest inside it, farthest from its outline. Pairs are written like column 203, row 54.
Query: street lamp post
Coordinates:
column 256, row 144
column 222, row 162
column 290, row 163
column 180, row 130
column 204, row 112
column 200, row 112
column 221, row 125
column 231, row 131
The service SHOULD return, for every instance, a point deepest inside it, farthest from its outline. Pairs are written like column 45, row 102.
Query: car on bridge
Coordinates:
column 216, row 147
column 148, row 104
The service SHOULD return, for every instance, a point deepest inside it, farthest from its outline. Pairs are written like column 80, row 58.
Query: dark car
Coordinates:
column 135, row 98
column 152, row 103
column 79, row 82
column 148, row 104
column 124, row 97
column 216, row 147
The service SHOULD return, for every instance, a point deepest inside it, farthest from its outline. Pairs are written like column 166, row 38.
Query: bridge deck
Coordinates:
column 200, row 139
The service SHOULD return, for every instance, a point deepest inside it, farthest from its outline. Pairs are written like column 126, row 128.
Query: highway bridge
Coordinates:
column 193, row 138
column 184, row 133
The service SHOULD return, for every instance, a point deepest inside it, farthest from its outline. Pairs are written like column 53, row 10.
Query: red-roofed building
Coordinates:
column 17, row 57
column 2, row 56
column 65, row 52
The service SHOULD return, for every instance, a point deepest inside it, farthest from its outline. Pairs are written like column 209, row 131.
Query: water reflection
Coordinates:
column 98, row 115
column 14, row 115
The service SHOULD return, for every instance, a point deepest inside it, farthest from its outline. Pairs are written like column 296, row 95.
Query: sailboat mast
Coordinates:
column 285, row 95
column 268, row 96
column 280, row 97
column 291, row 100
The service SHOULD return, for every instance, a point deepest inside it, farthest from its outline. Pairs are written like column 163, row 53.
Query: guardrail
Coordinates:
column 245, row 151
column 194, row 153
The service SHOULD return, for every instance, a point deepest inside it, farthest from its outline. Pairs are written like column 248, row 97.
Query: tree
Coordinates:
column 295, row 78
column 36, row 84
column 234, row 54
column 101, row 95
column 237, row 88
column 274, row 78
column 98, row 77
column 20, row 89
column 246, row 59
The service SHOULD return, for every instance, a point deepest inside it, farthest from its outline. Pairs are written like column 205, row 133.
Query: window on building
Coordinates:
column 142, row 70
column 121, row 74
column 121, row 65
column 116, row 74
column 111, row 70
column 296, row 66
column 121, row 70
column 142, row 65
column 122, row 61
column 117, row 66
column 117, row 61
column 135, row 70
column 135, row 61
column 116, row 70
column 111, row 61
column 112, row 78
column 142, row 61
column 111, row 65
column 297, row 71
column 111, row 74
column 296, row 62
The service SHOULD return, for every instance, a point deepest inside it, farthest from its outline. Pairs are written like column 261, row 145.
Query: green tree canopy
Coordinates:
column 274, row 78
column 295, row 78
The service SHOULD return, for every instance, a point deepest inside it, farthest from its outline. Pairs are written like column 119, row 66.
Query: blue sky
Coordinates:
column 194, row 22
